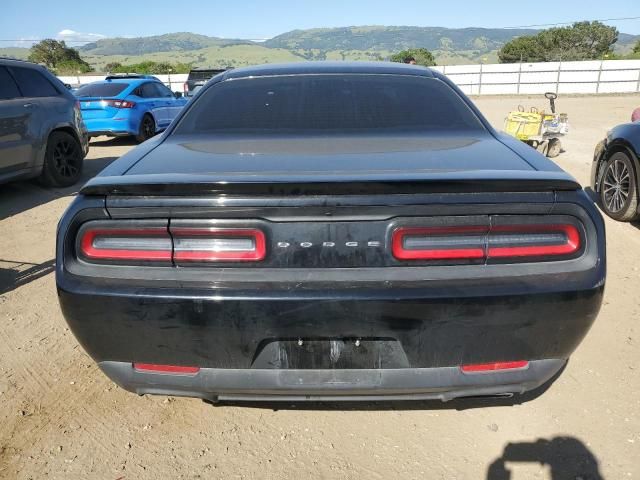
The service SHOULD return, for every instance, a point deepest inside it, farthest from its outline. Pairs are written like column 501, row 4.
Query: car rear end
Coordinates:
column 106, row 108
column 197, row 78
column 331, row 267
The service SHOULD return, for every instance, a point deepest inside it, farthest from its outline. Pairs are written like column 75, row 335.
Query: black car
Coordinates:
column 41, row 130
column 331, row 231
column 197, row 78
column 615, row 170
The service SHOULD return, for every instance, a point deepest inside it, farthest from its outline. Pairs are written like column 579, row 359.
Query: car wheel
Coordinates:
column 147, row 129
column 618, row 189
column 555, row 147
column 63, row 161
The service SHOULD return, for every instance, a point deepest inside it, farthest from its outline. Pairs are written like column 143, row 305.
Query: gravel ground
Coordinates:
column 62, row 418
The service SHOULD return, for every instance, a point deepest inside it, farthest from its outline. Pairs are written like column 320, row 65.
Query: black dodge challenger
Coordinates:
column 331, row 231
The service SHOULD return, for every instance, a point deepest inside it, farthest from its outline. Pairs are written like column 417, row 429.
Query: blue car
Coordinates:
column 138, row 105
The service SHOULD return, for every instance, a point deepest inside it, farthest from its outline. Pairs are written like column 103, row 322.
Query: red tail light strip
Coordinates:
column 571, row 241
column 218, row 244
column 498, row 242
column 170, row 369
column 464, row 236
column 495, row 366
column 137, row 249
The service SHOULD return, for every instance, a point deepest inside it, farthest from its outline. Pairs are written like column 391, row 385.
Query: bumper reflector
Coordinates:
column 496, row 366
column 169, row 369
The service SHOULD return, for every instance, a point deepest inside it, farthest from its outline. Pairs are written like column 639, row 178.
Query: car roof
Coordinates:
column 128, row 81
column 324, row 67
column 7, row 61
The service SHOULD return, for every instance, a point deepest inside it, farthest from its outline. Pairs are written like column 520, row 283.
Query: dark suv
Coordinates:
column 198, row 77
column 41, row 129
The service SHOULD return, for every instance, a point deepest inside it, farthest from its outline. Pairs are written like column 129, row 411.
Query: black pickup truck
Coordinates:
column 331, row 231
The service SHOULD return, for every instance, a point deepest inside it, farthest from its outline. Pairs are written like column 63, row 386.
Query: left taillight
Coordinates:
column 154, row 241
column 97, row 242
column 215, row 244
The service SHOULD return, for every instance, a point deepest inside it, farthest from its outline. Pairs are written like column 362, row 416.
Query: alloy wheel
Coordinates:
column 66, row 160
column 616, row 185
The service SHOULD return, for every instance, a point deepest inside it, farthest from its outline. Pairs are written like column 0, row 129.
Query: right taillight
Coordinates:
column 439, row 243
column 500, row 243
column 517, row 241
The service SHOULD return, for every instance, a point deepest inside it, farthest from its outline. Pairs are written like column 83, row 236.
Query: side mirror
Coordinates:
column 177, row 94
column 68, row 86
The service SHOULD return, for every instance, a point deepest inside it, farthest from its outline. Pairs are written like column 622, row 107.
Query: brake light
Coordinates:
column 218, row 244
column 438, row 243
column 141, row 244
column 485, row 243
column 533, row 240
column 167, row 369
column 185, row 88
column 118, row 103
column 495, row 366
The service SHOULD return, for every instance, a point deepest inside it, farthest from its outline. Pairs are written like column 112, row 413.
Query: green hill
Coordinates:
column 169, row 42
column 15, row 52
column 449, row 45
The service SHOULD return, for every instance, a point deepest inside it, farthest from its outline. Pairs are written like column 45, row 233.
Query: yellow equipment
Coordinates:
column 540, row 130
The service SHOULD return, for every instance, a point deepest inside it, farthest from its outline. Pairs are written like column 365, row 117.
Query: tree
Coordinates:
column 149, row 67
column 112, row 67
column 522, row 49
column 422, row 57
column 581, row 41
column 636, row 48
column 56, row 56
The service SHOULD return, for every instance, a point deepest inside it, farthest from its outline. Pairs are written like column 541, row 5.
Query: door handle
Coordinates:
column 28, row 105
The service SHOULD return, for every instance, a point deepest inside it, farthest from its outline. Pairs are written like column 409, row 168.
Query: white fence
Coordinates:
column 175, row 81
column 608, row 76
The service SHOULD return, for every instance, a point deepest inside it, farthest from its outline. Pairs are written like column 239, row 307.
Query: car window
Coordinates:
column 32, row 83
column 325, row 103
column 163, row 91
column 8, row 88
column 147, row 90
column 101, row 89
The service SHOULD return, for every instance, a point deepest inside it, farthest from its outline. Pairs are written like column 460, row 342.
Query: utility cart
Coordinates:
column 539, row 129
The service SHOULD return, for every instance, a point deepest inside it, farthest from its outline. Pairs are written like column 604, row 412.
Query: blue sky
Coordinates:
column 253, row 19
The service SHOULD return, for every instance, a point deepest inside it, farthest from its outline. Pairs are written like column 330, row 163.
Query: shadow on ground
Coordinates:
column 566, row 457
column 17, row 197
column 15, row 274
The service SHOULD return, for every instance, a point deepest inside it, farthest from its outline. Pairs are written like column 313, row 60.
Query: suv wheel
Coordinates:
column 147, row 129
column 618, row 189
column 62, row 161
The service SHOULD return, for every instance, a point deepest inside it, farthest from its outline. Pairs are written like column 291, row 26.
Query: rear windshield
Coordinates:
column 203, row 74
column 352, row 103
column 101, row 89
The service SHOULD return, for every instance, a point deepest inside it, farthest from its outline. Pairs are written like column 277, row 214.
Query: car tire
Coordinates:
column 63, row 161
column 618, row 188
column 147, row 128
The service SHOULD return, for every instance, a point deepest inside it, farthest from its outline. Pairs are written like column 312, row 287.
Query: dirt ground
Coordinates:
column 60, row 417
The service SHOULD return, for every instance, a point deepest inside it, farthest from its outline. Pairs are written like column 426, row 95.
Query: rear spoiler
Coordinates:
column 314, row 184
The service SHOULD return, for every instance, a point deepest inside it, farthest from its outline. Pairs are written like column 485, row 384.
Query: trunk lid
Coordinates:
column 345, row 165
column 97, row 107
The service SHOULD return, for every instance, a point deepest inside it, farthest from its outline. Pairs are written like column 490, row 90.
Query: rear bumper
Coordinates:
column 114, row 127
column 444, row 383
